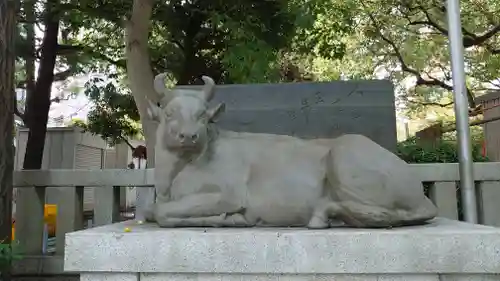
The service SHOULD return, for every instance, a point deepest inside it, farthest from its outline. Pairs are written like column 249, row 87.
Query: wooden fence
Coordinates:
column 442, row 179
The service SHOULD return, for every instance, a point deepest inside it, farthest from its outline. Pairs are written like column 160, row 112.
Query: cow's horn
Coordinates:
column 209, row 88
column 159, row 86
column 159, row 83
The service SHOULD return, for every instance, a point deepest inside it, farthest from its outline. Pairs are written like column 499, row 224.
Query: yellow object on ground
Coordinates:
column 49, row 217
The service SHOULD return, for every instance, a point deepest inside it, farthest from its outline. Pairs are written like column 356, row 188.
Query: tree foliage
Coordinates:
column 233, row 42
column 410, row 39
column 114, row 116
column 406, row 41
column 442, row 151
column 251, row 41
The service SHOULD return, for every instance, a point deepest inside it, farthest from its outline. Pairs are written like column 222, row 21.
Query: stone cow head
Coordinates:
column 184, row 115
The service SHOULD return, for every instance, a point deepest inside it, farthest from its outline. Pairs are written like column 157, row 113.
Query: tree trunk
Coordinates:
column 29, row 58
column 189, row 71
column 140, row 75
column 7, row 101
column 140, row 78
column 38, row 104
column 187, row 77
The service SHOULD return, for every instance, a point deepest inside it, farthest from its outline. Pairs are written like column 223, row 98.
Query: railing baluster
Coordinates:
column 69, row 214
column 488, row 201
column 106, row 205
column 30, row 219
column 444, row 196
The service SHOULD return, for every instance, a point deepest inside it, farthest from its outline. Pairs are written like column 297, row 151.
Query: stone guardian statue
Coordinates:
column 207, row 177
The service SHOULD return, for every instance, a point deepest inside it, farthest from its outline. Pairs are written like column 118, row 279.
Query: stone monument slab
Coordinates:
column 311, row 109
column 441, row 250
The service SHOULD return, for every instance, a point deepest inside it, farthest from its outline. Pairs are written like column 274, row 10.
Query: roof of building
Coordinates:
column 488, row 97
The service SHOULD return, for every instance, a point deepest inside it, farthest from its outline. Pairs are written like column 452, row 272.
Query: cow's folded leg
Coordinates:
column 324, row 210
column 366, row 215
column 234, row 220
column 353, row 214
column 196, row 205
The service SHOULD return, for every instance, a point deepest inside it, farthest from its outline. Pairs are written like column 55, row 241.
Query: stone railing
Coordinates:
column 442, row 179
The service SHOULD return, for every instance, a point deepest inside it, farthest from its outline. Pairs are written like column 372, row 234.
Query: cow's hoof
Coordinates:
column 317, row 223
column 237, row 220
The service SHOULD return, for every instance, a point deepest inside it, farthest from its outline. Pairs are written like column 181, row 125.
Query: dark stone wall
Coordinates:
column 312, row 110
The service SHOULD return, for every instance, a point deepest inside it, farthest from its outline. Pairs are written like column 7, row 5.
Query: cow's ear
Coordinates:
column 214, row 113
column 153, row 110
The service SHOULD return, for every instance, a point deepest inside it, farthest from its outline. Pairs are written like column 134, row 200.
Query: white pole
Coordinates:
column 461, row 112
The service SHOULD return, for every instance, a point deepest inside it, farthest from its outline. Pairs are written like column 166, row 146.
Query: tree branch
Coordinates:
column 433, row 23
column 59, row 99
column 405, row 67
column 478, row 40
column 431, row 103
column 125, row 140
column 63, row 75
column 16, row 109
column 470, row 39
column 473, row 123
column 178, row 44
column 421, row 81
column 71, row 49
column 19, row 114
column 60, row 76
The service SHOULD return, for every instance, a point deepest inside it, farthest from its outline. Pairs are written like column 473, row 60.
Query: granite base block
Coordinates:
column 285, row 277
column 441, row 250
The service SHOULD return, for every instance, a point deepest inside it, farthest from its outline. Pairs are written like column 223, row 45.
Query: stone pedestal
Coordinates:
column 442, row 250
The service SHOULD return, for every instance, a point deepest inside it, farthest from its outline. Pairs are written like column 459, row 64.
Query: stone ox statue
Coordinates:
column 206, row 177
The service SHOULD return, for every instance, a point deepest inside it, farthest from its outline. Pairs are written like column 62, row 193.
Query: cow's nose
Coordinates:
column 188, row 137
